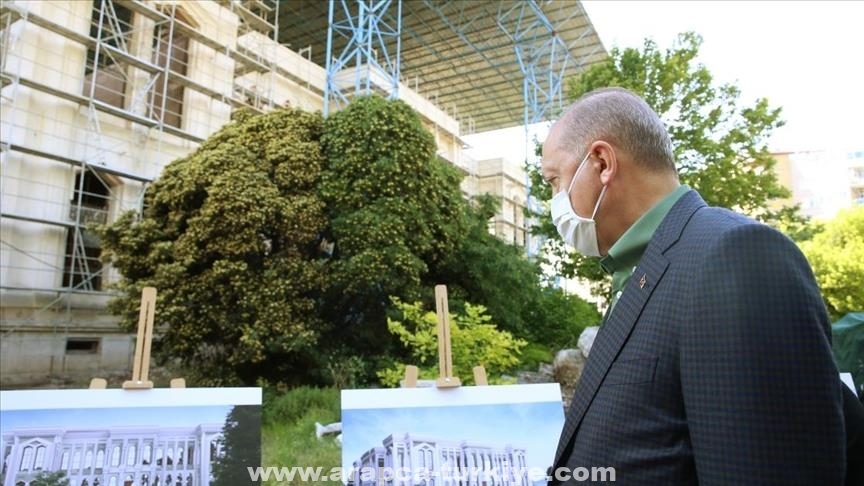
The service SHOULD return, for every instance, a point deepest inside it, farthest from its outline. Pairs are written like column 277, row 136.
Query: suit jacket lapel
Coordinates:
column 609, row 341
column 616, row 330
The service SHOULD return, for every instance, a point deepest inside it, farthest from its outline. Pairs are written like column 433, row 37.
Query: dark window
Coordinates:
column 82, row 346
column 89, row 205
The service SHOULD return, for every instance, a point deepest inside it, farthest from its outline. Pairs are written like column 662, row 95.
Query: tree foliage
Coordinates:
column 720, row 144
column 395, row 211
column 242, row 446
column 837, row 256
column 50, row 478
column 474, row 339
column 487, row 270
column 564, row 317
column 228, row 237
column 276, row 246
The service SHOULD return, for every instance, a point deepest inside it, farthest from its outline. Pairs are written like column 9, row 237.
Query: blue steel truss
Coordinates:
column 461, row 21
column 370, row 59
column 543, row 57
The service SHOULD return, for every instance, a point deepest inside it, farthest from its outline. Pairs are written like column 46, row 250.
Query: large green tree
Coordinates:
column 484, row 269
column 395, row 211
column 837, row 256
column 720, row 143
column 228, row 236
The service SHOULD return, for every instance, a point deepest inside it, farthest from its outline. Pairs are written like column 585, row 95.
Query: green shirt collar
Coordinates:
column 627, row 251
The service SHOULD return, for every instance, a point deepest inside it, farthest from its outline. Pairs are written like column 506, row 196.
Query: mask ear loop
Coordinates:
column 573, row 180
column 597, row 206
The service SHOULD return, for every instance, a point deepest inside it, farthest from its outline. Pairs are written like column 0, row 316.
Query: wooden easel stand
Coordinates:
column 445, row 351
column 141, row 364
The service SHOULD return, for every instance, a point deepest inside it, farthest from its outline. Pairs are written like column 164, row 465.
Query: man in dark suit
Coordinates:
column 714, row 365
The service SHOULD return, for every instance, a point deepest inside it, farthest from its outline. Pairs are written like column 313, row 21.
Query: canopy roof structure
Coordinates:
column 490, row 64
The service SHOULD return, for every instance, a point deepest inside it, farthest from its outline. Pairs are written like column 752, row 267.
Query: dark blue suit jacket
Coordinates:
column 714, row 368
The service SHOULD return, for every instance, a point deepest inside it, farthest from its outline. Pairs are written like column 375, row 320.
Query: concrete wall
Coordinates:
column 38, row 349
column 505, row 180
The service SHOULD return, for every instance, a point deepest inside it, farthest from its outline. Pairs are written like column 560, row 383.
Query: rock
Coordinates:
column 567, row 368
column 586, row 339
column 530, row 377
column 321, row 430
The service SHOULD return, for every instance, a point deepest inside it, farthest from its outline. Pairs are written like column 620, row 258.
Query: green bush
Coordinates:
column 300, row 402
column 560, row 318
column 55, row 478
column 474, row 340
column 533, row 354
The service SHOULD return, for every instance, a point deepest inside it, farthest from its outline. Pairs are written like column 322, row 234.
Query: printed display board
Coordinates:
column 116, row 437
column 467, row 435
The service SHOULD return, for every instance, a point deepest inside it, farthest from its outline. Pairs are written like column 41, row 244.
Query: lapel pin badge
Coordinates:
column 642, row 281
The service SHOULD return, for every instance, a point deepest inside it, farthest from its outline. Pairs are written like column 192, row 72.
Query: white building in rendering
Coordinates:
column 428, row 461
column 119, row 456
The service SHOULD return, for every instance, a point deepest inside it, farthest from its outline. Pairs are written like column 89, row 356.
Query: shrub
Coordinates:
column 297, row 403
column 475, row 340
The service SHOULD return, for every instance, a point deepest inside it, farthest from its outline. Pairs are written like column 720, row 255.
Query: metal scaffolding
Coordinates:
column 135, row 71
column 542, row 56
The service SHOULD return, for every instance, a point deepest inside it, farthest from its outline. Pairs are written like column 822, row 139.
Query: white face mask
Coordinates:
column 578, row 232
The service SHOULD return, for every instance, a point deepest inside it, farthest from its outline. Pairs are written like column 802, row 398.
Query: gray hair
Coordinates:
column 623, row 119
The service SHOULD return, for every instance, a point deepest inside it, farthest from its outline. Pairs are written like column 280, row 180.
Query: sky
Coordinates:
column 803, row 56
column 97, row 418
column 83, row 408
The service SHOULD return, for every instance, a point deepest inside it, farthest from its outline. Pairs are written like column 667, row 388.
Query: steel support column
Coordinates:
column 370, row 47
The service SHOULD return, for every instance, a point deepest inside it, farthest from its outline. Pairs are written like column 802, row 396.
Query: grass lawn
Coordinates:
column 288, row 433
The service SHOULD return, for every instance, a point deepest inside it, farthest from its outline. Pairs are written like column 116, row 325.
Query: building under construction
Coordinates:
column 98, row 96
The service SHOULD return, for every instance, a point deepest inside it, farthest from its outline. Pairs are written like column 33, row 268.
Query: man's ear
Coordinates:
column 605, row 160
